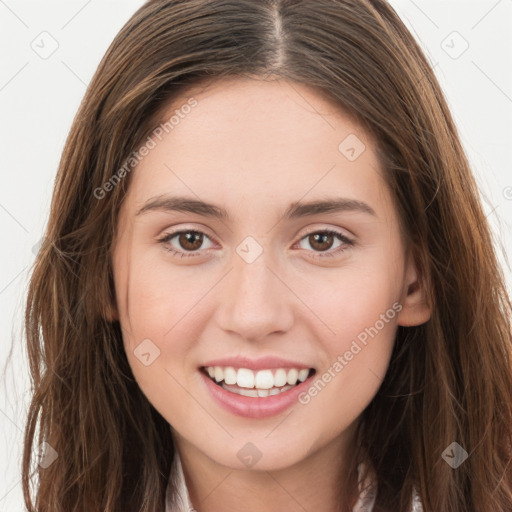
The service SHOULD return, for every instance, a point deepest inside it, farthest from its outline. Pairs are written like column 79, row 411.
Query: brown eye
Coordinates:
column 190, row 240
column 321, row 241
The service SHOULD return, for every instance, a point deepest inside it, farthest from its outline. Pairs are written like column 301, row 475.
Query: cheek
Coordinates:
column 161, row 330
column 361, row 335
column 159, row 301
column 358, row 309
column 159, row 318
column 351, row 299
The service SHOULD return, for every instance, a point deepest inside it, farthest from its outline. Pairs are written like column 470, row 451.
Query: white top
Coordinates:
column 367, row 493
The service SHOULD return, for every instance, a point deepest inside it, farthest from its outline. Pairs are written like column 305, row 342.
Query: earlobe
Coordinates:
column 416, row 309
column 110, row 314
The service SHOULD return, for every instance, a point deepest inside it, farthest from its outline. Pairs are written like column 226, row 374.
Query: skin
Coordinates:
column 253, row 147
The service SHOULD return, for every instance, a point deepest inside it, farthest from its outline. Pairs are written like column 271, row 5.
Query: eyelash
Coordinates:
column 319, row 254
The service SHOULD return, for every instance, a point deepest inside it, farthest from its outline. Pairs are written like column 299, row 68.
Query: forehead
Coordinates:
column 256, row 142
column 295, row 111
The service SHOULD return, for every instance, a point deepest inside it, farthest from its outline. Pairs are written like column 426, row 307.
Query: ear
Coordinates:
column 109, row 307
column 416, row 309
column 110, row 312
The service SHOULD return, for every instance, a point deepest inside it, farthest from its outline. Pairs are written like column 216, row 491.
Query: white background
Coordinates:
column 39, row 98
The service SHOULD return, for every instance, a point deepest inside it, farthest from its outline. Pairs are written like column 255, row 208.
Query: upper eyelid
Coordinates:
column 172, row 234
column 338, row 230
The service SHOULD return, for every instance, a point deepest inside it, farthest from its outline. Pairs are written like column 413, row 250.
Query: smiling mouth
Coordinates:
column 257, row 384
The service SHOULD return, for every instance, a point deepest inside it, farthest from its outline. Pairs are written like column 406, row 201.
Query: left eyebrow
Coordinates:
column 298, row 209
column 294, row 210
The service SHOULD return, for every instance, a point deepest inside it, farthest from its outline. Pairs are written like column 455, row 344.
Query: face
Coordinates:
column 274, row 284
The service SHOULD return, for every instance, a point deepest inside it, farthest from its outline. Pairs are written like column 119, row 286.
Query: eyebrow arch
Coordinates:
column 295, row 210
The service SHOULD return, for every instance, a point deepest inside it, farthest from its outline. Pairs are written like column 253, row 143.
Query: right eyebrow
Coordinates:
column 184, row 204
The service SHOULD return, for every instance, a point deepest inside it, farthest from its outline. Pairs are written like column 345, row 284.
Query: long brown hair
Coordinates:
column 449, row 380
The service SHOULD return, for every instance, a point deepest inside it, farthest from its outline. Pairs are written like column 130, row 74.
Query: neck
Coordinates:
column 319, row 482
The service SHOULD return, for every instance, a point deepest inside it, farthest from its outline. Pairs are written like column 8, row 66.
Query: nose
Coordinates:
column 256, row 300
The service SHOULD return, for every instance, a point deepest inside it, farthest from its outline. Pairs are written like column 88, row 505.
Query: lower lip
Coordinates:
column 255, row 407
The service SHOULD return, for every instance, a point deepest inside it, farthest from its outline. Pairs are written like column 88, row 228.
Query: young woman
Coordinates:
column 267, row 282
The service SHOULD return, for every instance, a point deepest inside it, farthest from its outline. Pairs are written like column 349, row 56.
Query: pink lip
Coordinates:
column 254, row 407
column 264, row 363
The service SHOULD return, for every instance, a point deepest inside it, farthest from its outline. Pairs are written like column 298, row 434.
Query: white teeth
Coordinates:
column 255, row 393
column 229, row 375
column 264, row 379
column 219, row 374
column 261, row 380
column 280, row 378
column 292, row 377
column 248, row 392
column 303, row 374
column 245, row 378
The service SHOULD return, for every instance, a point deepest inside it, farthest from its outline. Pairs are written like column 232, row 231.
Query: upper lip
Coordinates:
column 263, row 363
